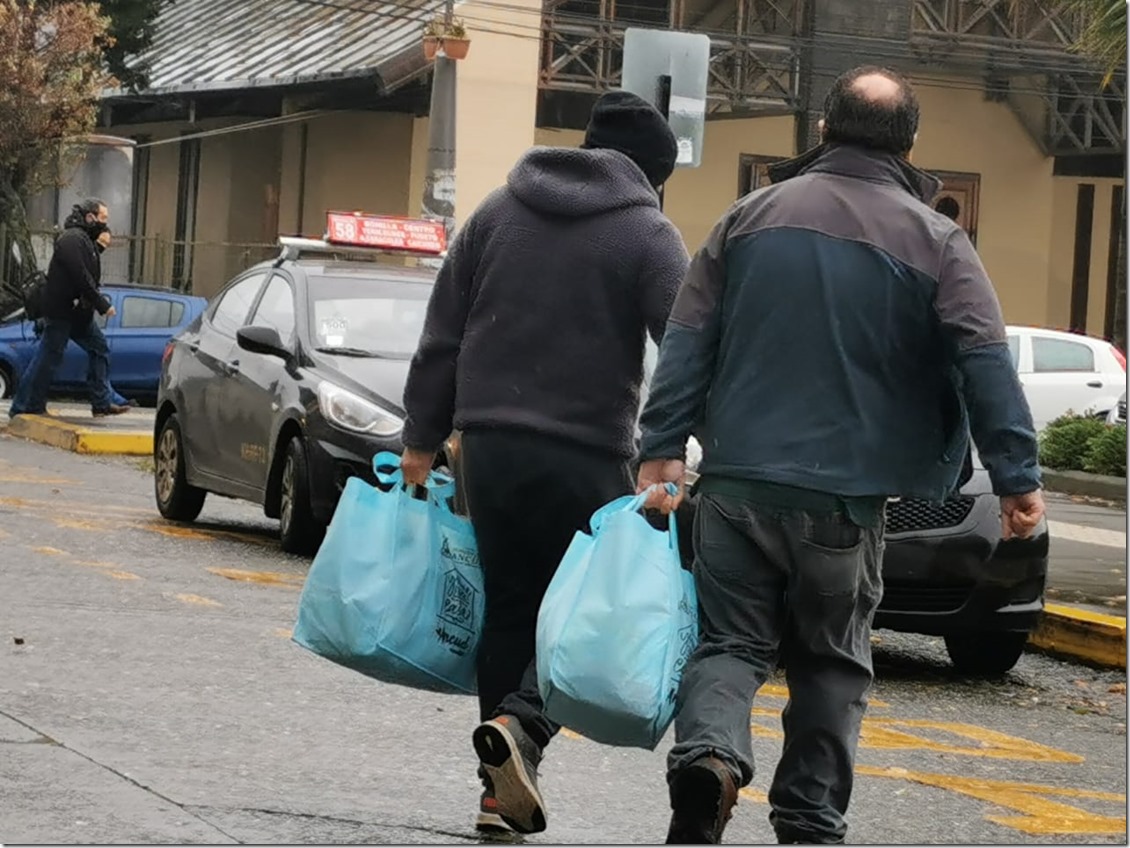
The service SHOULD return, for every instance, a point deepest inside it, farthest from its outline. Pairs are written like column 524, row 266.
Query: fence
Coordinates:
column 199, row 268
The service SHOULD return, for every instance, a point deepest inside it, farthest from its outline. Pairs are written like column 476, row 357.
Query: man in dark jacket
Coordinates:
column 70, row 298
column 833, row 343
column 533, row 348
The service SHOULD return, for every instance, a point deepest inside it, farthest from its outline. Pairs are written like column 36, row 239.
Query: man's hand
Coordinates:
column 111, row 312
column 1020, row 514
column 104, row 238
column 657, row 472
column 417, row 465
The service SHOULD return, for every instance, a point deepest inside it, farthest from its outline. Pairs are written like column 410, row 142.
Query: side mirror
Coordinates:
column 263, row 340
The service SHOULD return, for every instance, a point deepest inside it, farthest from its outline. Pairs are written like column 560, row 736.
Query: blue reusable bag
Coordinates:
column 615, row 629
column 396, row 590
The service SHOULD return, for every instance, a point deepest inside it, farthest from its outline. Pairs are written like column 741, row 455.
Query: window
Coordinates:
column 231, row 310
column 150, row 312
column 276, row 309
column 959, row 200
column 753, row 172
column 1014, row 349
column 1050, row 355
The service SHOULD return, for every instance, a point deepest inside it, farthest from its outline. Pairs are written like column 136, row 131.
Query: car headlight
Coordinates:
column 351, row 412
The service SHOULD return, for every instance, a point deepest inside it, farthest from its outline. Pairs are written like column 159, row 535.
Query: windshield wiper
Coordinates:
column 348, row 351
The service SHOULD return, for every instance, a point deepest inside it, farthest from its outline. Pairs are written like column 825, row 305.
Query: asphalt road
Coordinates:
column 149, row 692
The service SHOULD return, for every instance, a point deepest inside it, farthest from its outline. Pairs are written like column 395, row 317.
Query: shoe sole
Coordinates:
column 491, row 823
column 519, row 803
column 697, row 796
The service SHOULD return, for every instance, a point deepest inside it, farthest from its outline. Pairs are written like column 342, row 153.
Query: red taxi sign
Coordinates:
column 386, row 232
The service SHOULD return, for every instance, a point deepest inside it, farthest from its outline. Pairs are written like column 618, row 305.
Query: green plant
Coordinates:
column 434, row 28
column 1106, row 452
column 1063, row 444
column 457, row 30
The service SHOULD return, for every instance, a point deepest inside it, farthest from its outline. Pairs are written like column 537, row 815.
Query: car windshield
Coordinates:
column 357, row 316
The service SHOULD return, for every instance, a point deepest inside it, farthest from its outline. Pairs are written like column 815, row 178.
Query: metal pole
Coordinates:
column 663, row 103
column 439, row 179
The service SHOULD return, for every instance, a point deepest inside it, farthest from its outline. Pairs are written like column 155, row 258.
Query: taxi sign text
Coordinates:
column 386, row 233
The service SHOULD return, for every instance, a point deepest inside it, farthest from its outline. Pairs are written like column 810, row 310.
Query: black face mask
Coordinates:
column 95, row 228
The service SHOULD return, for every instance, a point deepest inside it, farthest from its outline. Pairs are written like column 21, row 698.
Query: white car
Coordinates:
column 1066, row 372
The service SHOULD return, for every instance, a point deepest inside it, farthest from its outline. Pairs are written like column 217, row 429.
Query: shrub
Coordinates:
column 1106, row 452
column 1064, row 442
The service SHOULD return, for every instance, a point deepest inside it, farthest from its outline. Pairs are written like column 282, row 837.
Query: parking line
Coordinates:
column 1086, row 535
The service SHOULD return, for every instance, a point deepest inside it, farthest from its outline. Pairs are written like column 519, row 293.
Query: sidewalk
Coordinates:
column 71, row 427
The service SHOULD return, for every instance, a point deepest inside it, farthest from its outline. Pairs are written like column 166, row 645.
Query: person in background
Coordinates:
column 833, row 344
column 533, row 348
column 71, row 297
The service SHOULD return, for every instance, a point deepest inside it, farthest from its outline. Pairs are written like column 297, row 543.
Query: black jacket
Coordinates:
column 539, row 314
column 73, row 278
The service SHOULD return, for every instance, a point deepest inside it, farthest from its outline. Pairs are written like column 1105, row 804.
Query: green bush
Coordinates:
column 1064, row 442
column 1106, row 452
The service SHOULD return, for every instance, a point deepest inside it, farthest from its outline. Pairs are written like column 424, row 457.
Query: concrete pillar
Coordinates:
column 497, row 96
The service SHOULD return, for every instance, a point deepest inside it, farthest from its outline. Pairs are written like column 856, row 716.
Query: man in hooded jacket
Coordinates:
column 70, row 298
column 533, row 348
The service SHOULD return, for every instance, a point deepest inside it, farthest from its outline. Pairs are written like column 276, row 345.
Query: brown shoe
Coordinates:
column 703, row 796
column 112, row 409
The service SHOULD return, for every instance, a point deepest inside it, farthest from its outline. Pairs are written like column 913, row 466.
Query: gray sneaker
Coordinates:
column 510, row 759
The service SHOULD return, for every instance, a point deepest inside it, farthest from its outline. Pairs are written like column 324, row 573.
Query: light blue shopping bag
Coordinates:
column 615, row 629
column 396, row 589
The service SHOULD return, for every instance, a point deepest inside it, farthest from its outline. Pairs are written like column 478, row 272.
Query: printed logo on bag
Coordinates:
column 460, row 556
column 455, row 623
column 687, row 639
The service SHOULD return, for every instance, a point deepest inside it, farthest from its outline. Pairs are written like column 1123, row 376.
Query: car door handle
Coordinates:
column 1096, row 384
column 193, row 347
column 232, row 367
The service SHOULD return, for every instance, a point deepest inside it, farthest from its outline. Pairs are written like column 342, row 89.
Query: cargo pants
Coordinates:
column 780, row 581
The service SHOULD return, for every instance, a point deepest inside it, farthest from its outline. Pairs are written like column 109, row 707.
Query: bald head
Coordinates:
column 873, row 108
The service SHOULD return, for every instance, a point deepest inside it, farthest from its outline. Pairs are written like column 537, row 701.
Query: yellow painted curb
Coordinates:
column 1079, row 634
column 79, row 439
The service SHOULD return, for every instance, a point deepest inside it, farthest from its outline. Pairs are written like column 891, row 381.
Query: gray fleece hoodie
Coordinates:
column 539, row 314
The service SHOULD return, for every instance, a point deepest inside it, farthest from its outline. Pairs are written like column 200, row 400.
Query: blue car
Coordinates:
column 145, row 321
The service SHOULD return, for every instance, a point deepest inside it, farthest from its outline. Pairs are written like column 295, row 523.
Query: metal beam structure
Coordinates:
column 1022, row 51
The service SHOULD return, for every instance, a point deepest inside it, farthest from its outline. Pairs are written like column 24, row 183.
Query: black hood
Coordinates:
column 366, row 376
column 579, row 183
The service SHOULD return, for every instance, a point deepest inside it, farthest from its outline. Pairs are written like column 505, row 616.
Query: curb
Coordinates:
column 79, row 439
column 1085, row 484
column 1078, row 634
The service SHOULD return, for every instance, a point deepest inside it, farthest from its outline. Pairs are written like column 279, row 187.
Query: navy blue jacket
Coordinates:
column 835, row 333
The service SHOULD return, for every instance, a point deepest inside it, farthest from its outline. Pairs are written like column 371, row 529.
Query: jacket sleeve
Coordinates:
column 687, row 354
column 663, row 271
column 70, row 251
column 973, row 326
column 429, row 394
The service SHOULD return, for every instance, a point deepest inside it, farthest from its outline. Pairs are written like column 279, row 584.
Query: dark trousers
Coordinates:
column 528, row 495
column 804, row 584
column 35, row 383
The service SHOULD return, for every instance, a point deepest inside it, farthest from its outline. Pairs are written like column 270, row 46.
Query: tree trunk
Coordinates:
column 14, row 217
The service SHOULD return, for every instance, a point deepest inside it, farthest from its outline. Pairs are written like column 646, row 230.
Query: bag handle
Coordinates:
column 634, row 503
column 440, row 487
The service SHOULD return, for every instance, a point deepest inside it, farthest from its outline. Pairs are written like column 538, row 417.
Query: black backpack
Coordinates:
column 34, row 291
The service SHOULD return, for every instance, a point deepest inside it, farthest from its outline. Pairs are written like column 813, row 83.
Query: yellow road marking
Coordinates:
column 198, row 600
column 570, row 734
column 269, row 578
column 94, row 563
column 82, row 524
column 776, row 690
column 755, row 795
column 37, row 478
column 49, row 551
column 36, row 504
column 284, row 633
column 4, row 534
column 1040, row 815
column 123, row 575
column 178, row 532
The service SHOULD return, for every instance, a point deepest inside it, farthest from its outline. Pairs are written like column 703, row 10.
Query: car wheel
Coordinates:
column 299, row 530
column 985, row 654
column 176, row 499
column 7, row 384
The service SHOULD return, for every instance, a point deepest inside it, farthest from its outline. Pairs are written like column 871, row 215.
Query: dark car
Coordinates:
column 288, row 385
column 145, row 321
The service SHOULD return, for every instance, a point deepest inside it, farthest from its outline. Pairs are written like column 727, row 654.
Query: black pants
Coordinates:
column 528, row 495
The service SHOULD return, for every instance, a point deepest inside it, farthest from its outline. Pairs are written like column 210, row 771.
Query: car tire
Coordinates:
column 7, row 384
column 985, row 654
column 299, row 531
column 176, row 499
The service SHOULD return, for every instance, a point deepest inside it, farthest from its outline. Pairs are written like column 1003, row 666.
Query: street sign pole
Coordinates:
column 669, row 70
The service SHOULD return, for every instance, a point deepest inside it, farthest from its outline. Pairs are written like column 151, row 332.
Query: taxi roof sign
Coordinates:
column 386, row 233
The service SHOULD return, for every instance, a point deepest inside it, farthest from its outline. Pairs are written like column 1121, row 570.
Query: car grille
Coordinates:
column 1122, row 410
column 910, row 514
column 916, row 597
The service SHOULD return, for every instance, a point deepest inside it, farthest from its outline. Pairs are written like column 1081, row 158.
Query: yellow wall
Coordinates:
column 961, row 131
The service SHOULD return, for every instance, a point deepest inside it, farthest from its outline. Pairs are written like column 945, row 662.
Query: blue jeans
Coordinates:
column 34, row 384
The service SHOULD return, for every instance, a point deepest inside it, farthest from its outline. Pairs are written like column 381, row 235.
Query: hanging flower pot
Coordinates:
column 456, row 48
column 431, row 47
